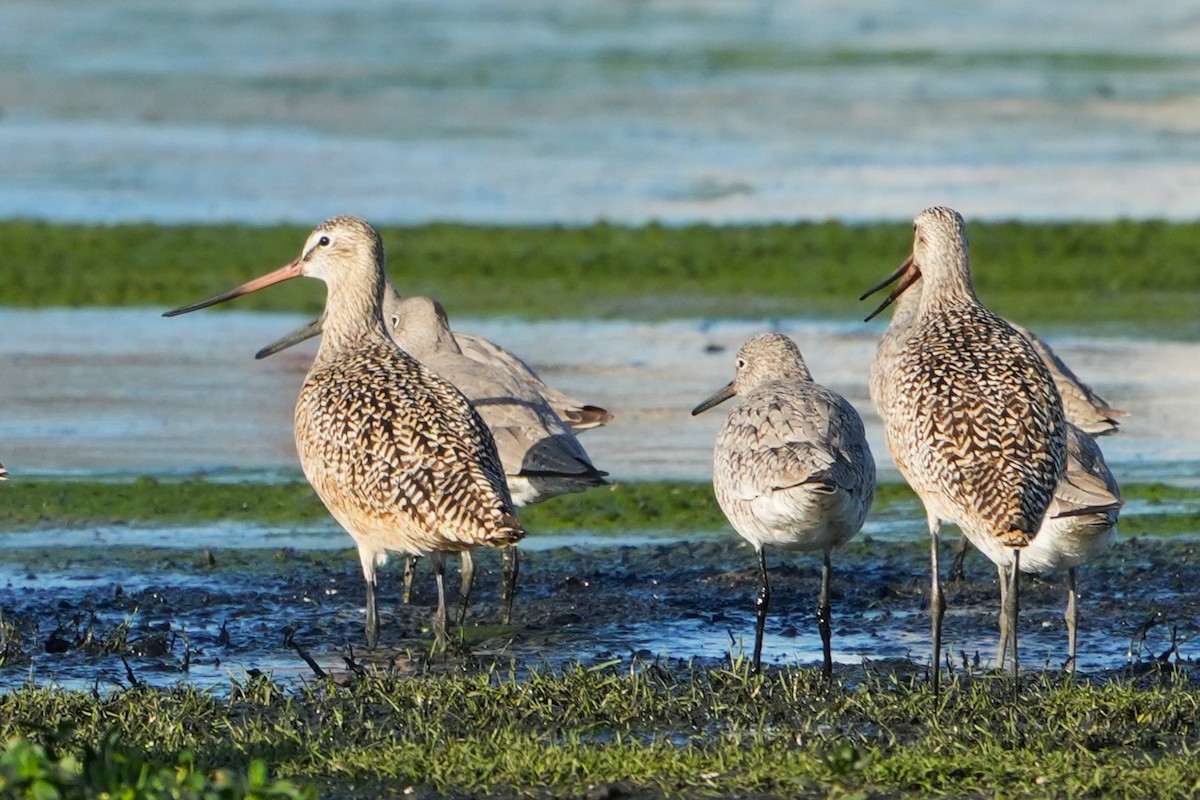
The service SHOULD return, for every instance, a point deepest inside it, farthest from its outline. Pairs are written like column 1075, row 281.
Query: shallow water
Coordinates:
column 119, row 392
column 571, row 110
column 72, row 610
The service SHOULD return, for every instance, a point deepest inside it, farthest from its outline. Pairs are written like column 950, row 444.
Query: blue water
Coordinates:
column 545, row 110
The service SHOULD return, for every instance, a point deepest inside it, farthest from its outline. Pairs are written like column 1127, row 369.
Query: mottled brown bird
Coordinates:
column 1081, row 520
column 974, row 421
column 398, row 455
column 533, row 424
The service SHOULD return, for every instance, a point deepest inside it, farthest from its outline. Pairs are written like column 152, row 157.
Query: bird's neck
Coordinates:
column 947, row 287
column 353, row 318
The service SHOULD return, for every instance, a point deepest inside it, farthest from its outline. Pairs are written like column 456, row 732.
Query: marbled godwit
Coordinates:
column 398, row 455
column 540, row 454
column 3, row 473
column 1086, row 411
column 973, row 421
column 791, row 466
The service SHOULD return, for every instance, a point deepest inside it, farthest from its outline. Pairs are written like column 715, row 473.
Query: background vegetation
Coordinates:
column 1099, row 274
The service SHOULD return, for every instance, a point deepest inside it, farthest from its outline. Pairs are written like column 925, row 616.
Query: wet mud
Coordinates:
column 86, row 617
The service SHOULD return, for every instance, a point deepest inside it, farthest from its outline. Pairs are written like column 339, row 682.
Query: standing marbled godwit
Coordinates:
column 539, row 452
column 1092, row 514
column 791, row 467
column 397, row 454
column 1082, row 516
column 974, row 421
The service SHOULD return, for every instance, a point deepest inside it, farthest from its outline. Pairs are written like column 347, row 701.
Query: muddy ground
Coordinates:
column 91, row 617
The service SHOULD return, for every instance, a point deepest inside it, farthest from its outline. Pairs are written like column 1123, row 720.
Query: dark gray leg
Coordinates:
column 1072, row 617
column 468, row 578
column 372, row 617
column 1012, row 608
column 761, row 603
column 824, row 615
column 937, row 606
column 367, row 560
column 511, row 567
column 1002, row 650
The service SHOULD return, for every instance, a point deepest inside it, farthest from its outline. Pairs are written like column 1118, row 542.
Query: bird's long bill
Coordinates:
column 723, row 394
column 906, row 274
column 295, row 337
column 284, row 273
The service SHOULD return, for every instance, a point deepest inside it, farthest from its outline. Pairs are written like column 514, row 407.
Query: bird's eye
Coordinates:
column 741, row 363
column 323, row 241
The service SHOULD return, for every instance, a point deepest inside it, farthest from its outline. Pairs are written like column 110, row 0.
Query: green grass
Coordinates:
column 670, row 730
column 1097, row 274
column 113, row 770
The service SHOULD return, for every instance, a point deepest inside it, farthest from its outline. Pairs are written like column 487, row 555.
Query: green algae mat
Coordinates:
column 1121, row 275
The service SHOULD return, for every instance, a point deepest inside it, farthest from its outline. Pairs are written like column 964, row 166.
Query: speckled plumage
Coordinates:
column 791, row 467
column 1087, row 488
column 397, row 454
column 974, row 417
column 1081, row 518
column 971, row 414
column 1082, row 406
column 532, row 423
column 579, row 416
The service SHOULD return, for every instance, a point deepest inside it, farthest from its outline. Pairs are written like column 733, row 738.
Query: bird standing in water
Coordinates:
column 973, row 419
column 398, row 455
column 791, row 467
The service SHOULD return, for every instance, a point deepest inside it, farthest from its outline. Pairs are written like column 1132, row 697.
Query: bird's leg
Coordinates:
column 510, row 567
column 367, row 560
column 1012, row 607
column 957, row 573
column 1072, row 617
column 761, row 604
column 439, row 616
column 824, row 615
column 937, row 606
column 464, row 591
column 410, row 566
column 1002, row 650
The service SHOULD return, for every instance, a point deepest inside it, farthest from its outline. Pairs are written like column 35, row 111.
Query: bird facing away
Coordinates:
column 398, row 455
column 972, row 417
column 537, row 447
column 1082, row 516
column 791, row 467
